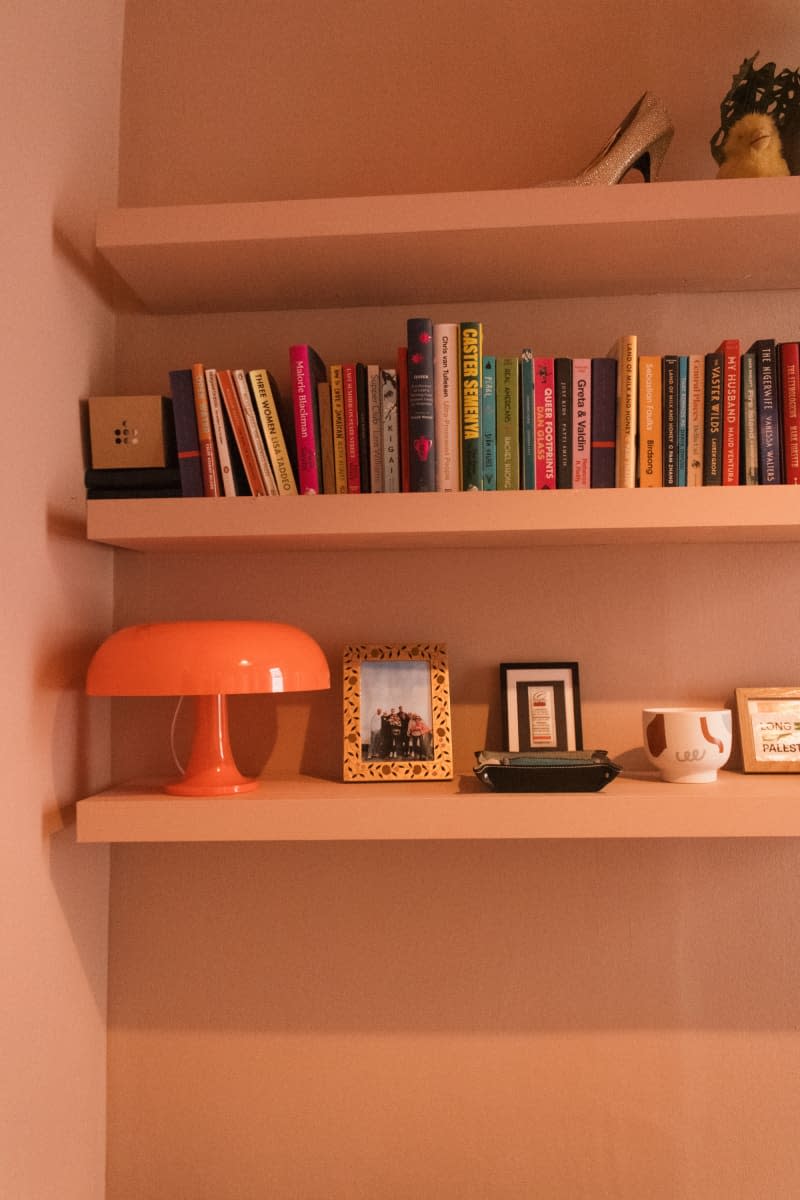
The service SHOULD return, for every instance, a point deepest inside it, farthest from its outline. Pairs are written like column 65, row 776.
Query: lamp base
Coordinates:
column 198, row 785
column 211, row 770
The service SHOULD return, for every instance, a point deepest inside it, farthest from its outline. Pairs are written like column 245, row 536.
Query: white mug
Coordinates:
column 687, row 745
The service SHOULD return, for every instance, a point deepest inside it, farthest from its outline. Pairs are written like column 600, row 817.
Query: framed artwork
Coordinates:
column 541, row 706
column 769, row 728
column 397, row 713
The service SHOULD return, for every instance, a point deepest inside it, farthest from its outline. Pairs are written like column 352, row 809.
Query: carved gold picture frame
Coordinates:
column 397, row 713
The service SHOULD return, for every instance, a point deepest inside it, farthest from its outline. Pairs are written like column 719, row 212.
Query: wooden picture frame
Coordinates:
column 541, row 706
column 386, row 688
column 769, row 728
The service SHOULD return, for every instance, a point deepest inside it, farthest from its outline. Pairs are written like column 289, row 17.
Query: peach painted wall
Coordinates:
column 59, row 94
column 449, row 1021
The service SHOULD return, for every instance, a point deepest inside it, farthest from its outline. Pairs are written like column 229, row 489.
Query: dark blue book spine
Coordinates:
column 768, row 408
column 362, row 403
column 527, row 458
column 712, row 428
column 421, row 429
column 669, row 403
column 489, row 423
column 604, row 423
column 683, row 418
column 186, row 439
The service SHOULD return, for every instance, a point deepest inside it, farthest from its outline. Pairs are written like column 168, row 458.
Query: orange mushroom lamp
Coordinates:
column 208, row 660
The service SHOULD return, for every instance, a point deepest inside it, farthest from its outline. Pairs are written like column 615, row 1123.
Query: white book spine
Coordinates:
column 391, row 430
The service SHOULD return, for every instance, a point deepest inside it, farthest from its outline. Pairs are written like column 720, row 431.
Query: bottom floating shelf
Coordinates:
column 310, row 809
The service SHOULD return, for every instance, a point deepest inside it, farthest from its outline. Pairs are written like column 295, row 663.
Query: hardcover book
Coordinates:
column 402, row 416
column 695, row 421
column 205, row 433
column 731, row 352
column 489, row 422
column 768, row 407
column 669, row 407
column 337, row 418
column 712, row 433
column 508, row 423
column 527, row 467
column 582, row 423
column 544, row 423
column 604, row 422
column 352, row 444
column 651, row 457
column 683, row 418
column 326, row 437
column 307, row 370
column 562, row 382
column 626, row 352
column 391, row 430
column 789, row 353
column 144, row 480
column 375, row 424
column 446, row 407
column 471, row 362
column 362, row 407
column 421, row 431
column 186, row 439
column 748, row 439
column 267, row 401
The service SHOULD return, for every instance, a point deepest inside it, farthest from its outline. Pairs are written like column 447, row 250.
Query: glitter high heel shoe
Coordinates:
column 638, row 143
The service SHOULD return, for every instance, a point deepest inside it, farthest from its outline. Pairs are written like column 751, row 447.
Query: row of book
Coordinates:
column 447, row 416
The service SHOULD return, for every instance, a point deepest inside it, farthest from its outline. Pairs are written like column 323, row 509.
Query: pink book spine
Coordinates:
column 730, row 405
column 304, row 400
column 544, row 427
column 581, row 422
column 790, row 384
column 352, row 457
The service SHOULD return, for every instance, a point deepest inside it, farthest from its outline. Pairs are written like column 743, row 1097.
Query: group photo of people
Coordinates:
column 396, row 721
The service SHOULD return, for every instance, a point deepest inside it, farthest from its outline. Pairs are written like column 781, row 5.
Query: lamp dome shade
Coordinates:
column 203, row 658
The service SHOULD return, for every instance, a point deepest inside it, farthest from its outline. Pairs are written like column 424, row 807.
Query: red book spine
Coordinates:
column 306, row 416
column 544, row 423
column 731, row 374
column 402, row 416
column 351, row 444
column 790, row 386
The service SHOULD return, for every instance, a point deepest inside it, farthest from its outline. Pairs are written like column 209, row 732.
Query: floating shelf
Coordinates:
column 306, row 809
column 453, row 519
column 698, row 236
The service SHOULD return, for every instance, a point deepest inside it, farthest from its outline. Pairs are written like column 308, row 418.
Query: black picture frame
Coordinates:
column 541, row 706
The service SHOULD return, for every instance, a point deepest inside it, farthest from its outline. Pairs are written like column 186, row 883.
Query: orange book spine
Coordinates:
column 246, row 453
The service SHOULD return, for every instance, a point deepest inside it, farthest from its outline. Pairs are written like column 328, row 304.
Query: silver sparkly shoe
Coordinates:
column 638, row 143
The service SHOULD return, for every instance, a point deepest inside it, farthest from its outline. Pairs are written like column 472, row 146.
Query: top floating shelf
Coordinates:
column 699, row 236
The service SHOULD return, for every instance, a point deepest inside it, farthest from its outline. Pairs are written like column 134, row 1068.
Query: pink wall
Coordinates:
column 458, row 1021
column 59, row 93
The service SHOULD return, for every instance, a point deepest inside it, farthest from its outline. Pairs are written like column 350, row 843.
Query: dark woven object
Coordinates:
column 759, row 89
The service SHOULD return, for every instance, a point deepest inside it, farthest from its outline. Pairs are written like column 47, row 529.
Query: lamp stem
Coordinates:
column 211, row 770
